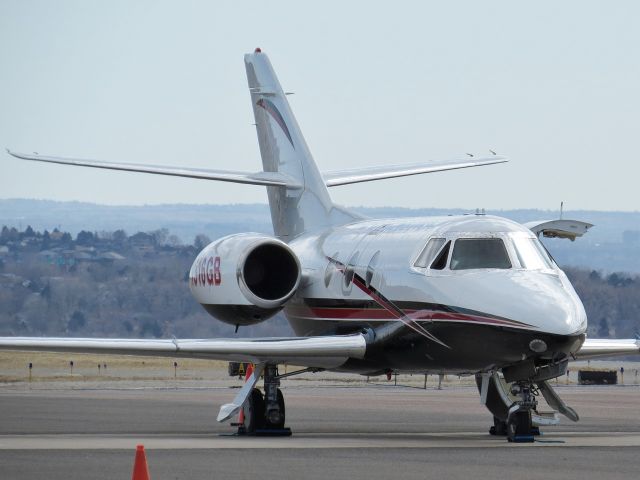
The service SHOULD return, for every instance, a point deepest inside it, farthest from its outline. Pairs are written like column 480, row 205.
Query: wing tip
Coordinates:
column 22, row 156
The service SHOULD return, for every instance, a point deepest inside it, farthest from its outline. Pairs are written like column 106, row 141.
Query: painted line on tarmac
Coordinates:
column 315, row 441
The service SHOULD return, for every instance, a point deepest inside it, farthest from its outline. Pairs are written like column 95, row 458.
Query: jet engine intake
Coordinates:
column 244, row 279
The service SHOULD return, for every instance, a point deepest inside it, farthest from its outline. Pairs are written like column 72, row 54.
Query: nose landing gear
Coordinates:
column 519, row 425
column 514, row 406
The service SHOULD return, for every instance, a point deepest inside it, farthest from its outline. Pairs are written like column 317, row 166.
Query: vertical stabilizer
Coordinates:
column 283, row 149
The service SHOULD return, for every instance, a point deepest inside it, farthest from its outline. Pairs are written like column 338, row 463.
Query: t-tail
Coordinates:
column 284, row 150
column 297, row 191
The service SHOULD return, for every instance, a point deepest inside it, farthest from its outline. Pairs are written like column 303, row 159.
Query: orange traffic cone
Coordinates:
column 246, row 377
column 140, row 468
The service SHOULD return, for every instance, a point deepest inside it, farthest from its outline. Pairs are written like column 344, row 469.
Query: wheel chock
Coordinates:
column 272, row 432
column 522, row 439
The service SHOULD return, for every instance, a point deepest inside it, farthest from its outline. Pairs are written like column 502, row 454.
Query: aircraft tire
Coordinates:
column 254, row 411
column 499, row 427
column 280, row 424
column 519, row 426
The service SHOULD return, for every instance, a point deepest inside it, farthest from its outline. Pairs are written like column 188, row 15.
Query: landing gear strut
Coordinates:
column 274, row 400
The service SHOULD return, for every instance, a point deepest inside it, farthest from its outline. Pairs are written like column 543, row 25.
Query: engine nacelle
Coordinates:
column 245, row 278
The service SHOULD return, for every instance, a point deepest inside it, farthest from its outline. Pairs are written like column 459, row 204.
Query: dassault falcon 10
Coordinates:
column 470, row 295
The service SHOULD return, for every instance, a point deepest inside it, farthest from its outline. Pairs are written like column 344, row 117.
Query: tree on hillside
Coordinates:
column 46, row 241
column 201, row 241
column 85, row 238
column 160, row 236
column 29, row 233
column 66, row 239
column 119, row 238
column 4, row 235
column 603, row 328
column 174, row 241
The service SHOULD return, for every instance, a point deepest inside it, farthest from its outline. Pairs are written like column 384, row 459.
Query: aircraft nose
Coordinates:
column 575, row 317
column 554, row 305
column 537, row 301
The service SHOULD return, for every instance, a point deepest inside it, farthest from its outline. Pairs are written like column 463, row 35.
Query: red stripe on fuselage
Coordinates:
column 348, row 313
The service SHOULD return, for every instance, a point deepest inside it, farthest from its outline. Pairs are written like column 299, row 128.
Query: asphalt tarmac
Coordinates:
column 374, row 431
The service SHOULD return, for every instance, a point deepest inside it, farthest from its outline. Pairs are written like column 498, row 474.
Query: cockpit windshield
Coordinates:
column 531, row 254
column 470, row 253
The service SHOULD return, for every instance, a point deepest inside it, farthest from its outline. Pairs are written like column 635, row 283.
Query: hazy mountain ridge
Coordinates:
column 612, row 245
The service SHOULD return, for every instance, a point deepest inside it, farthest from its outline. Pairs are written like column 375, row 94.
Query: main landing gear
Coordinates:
column 264, row 415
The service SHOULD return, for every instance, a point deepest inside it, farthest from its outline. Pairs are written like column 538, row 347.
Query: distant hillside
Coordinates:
column 612, row 245
column 114, row 284
column 185, row 221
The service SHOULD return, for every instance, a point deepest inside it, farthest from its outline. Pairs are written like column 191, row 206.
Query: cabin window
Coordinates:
column 531, row 254
column 429, row 252
column 470, row 253
column 441, row 260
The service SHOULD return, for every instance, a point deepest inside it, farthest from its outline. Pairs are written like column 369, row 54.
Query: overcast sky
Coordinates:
column 553, row 85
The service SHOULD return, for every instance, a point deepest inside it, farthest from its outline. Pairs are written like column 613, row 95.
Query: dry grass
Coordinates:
column 14, row 360
column 52, row 367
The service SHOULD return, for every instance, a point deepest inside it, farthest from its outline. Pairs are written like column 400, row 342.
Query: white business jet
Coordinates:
column 469, row 295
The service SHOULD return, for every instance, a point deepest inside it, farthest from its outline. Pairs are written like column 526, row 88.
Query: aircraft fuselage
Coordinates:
column 460, row 319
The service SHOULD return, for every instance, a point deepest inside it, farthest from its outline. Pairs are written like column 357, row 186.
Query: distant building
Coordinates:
column 142, row 239
column 56, row 235
column 109, row 257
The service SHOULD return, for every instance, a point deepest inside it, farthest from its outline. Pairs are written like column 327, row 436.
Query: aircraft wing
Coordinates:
column 368, row 174
column 319, row 352
column 605, row 347
column 272, row 179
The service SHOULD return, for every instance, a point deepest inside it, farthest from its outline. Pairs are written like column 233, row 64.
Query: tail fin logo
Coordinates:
column 275, row 113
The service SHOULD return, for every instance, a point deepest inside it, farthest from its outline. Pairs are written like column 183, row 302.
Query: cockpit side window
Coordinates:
column 429, row 252
column 546, row 250
column 470, row 253
column 531, row 254
column 441, row 260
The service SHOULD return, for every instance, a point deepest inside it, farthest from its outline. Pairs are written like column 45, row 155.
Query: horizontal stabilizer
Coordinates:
column 369, row 174
column 272, row 179
column 321, row 352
